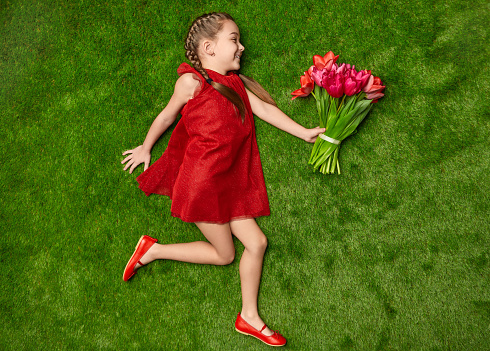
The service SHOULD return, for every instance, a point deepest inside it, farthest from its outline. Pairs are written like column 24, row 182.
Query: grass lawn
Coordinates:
column 393, row 254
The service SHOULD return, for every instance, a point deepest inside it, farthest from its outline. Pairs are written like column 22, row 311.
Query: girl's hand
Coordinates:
column 136, row 156
column 310, row 135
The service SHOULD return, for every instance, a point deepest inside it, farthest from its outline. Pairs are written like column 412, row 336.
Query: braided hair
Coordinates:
column 208, row 26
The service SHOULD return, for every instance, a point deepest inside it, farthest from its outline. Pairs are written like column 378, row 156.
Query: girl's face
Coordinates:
column 227, row 49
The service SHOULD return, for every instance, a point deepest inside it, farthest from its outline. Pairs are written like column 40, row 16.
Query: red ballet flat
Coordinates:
column 142, row 247
column 243, row 327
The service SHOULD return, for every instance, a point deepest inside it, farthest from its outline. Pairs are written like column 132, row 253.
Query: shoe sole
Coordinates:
column 127, row 264
column 258, row 338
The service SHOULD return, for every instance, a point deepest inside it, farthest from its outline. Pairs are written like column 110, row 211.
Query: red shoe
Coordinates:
column 243, row 327
column 142, row 247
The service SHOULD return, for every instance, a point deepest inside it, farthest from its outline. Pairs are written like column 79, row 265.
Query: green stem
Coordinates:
column 341, row 103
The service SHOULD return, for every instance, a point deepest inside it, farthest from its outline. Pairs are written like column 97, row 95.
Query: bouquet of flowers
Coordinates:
column 343, row 97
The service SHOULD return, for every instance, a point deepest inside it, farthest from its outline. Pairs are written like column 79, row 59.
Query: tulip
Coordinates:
column 373, row 88
column 334, row 84
column 375, row 97
column 325, row 62
column 341, row 69
column 317, row 75
column 310, row 70
column 369, row 84
column 365, row 75
column 351, row 86
column 307, row 86
column 343, row 97
column 374, row 84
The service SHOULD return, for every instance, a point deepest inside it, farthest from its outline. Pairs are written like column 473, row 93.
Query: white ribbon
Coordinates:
column 330, row 140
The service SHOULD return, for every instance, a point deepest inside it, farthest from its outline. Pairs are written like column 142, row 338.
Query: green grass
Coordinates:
column 393, row 254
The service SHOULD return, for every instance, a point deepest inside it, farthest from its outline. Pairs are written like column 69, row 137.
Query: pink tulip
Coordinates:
column 334, row 84
column 341, row 69
column 354, row 80
column 351, row 86
column 317, row 76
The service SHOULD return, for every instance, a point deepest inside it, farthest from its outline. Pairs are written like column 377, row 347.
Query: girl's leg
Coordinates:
column 255, row 242
column 220, row 249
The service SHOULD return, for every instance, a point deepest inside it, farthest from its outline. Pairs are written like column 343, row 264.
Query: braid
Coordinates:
column 208, row 26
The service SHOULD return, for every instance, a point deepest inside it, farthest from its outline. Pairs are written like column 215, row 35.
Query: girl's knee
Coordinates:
column 263, row 242
column 251, row 236
column 258, row 245
column 226, row 259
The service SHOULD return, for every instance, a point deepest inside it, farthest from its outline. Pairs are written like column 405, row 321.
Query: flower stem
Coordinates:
column 341, row 103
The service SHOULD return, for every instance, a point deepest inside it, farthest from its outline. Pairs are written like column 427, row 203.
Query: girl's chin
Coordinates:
column 234, row 67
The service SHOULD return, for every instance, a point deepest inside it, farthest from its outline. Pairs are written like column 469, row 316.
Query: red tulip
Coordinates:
column 325, row 62
column 374, row 88
column 307, row 85
column 373, row 85
column 375, row 97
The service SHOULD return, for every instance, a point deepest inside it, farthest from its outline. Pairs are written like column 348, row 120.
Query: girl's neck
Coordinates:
column 216, row 69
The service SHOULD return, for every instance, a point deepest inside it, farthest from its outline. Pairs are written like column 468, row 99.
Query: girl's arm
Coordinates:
column 273, row 115
column 184, row 90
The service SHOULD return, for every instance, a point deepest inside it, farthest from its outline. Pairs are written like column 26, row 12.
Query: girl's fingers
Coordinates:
column 134, row 159
column 127, row 165
column 132, row 168
column 127, row 159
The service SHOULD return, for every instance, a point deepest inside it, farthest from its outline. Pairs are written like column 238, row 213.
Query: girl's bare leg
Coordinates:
column 220, row 249
column 255, row 242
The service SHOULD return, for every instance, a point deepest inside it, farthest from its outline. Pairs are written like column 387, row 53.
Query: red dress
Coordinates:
column 211, row 168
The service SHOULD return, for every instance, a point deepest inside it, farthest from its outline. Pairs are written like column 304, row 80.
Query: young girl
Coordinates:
column 211, row 168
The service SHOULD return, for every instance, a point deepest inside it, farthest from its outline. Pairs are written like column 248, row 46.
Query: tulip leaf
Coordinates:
column 353, row 126
column 347, row 108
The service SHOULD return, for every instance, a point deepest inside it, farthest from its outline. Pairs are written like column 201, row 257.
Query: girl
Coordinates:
column 211, row 168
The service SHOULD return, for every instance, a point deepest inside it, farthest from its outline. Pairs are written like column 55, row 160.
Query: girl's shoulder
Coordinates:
column 190, row 82
column 187, row 86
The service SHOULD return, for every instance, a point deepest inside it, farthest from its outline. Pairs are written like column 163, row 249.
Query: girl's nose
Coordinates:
column 241, row 47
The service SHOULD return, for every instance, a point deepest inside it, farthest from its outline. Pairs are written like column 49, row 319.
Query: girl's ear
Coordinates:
column 208, row 47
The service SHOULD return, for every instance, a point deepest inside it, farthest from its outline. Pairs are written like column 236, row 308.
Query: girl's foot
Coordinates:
column 143, row 246
column 256, row 322
column 274, row 339
column 146, row 258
